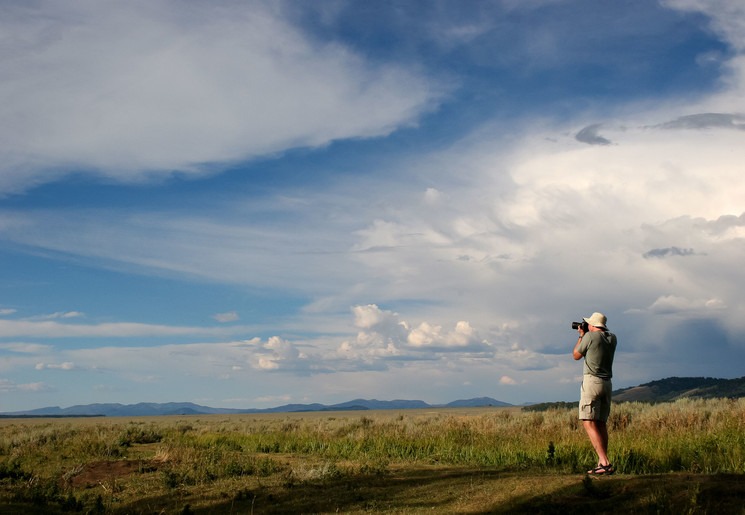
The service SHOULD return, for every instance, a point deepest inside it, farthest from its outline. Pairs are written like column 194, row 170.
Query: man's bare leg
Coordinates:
column 598, row 433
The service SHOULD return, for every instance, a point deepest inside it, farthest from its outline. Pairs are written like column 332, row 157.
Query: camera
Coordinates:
column 577, row 325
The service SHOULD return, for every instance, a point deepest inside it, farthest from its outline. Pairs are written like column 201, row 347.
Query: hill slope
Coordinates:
column 674, row 388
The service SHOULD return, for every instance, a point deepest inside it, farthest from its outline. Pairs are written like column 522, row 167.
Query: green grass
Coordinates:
column 454, row 460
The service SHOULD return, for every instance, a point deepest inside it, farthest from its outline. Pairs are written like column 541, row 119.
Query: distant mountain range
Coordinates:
column 189, row 408
column 663, row 390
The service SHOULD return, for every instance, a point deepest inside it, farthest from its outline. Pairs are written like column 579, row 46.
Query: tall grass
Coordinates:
column 689, row 435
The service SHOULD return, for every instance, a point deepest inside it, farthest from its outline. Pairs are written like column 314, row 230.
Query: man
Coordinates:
column 598, row 346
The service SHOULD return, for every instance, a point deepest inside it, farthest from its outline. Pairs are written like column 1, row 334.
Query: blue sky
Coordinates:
column 246, row 204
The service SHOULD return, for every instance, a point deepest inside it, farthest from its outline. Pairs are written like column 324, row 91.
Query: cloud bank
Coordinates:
column 144, row 88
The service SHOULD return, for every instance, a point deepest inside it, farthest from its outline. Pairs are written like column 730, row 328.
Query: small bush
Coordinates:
column 12, row 470
column 173, row 479
column 135, row 435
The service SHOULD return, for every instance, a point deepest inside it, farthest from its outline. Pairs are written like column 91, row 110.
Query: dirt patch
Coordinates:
column 99, row 472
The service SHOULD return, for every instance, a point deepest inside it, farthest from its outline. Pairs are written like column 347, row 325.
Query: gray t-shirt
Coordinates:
column 598, row 348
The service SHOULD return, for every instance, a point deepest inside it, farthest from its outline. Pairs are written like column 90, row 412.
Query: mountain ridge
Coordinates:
column 190, row 408
column 662, row 390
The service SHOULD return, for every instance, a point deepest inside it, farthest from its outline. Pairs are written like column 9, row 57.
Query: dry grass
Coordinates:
column 683, row 457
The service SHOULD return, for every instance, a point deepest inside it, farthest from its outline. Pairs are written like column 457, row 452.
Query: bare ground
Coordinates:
column 99, row 472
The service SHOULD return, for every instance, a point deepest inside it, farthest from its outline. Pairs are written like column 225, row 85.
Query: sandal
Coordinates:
column 602, row 470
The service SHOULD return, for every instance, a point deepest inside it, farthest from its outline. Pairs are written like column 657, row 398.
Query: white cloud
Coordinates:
column 26, row 348
column 382, row 339
column 268, row 364
column 7, row 311
column 371, row 316
column 51, row 329
column 230, row 316
column 144, row 364
column 426, row 335
column 129, row 90
column 241, row 250
column 60, row 314
column 210, row 360
column 384, row 335
column 525, row 359
column 672, row 304
column 727, row 17
column 7, row 386
column 507, row 380
column 282, row 354
column 432, row 196
column 67, row 365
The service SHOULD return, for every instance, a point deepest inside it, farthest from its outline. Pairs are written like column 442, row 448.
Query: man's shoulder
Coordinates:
column 599, row 336
column 609, row 337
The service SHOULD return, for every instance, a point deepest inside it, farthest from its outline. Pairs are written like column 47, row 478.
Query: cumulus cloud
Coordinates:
column 281, row 354
column 462, row 337
column 383, row 339
column 372, row 317
column 268, row 364
column 381, row 347
column 383, row 334
column 129, row 90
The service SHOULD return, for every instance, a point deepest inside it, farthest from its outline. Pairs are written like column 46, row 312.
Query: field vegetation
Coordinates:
column 681, row 457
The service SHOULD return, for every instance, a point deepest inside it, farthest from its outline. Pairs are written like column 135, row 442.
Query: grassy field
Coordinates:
column 682, row 457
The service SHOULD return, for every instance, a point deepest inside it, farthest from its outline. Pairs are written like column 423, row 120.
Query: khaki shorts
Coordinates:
column 594, row 402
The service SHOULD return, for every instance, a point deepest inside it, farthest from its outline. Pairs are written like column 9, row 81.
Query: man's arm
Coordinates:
column 575, row 353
